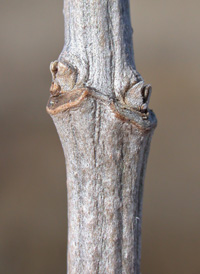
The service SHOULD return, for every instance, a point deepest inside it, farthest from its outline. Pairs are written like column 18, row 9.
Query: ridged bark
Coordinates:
column 99, row 104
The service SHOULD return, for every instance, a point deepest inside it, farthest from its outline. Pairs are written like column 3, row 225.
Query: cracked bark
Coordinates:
column 99, row 105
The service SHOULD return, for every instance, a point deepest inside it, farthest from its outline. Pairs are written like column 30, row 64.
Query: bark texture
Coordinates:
column 99, row 104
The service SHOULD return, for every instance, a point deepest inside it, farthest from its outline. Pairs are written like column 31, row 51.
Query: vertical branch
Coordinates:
column 99, row 105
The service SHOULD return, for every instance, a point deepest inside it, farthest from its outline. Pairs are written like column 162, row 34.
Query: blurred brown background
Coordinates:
column 32, row 186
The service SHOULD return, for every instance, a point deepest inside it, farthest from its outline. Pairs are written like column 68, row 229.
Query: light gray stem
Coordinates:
column 99, row 104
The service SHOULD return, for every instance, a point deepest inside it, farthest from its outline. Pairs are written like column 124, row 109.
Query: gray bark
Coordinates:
column 99, row 105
